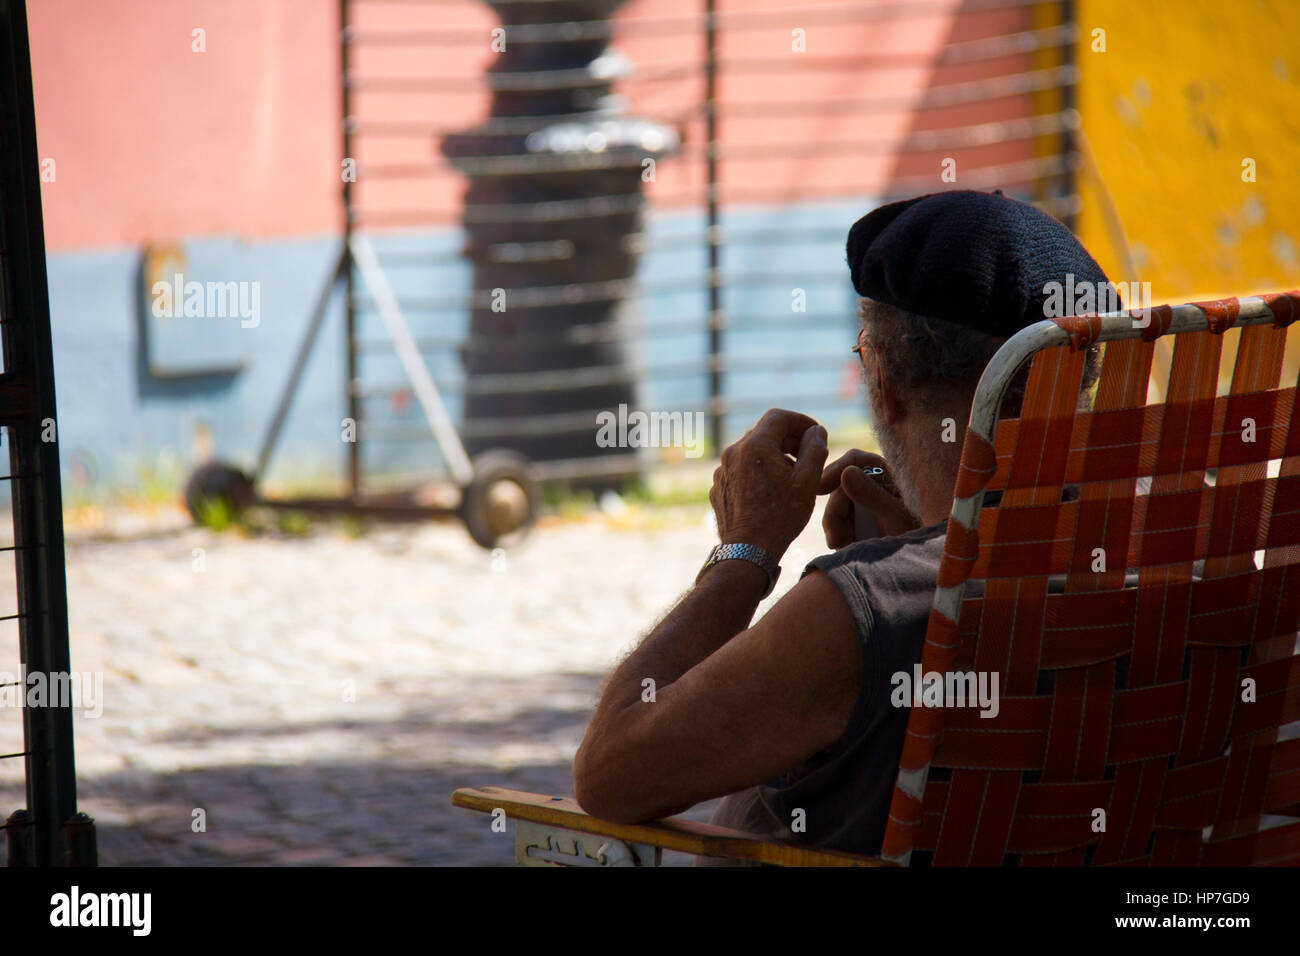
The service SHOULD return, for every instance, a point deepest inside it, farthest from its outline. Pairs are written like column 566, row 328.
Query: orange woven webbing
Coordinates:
column 1138, row 723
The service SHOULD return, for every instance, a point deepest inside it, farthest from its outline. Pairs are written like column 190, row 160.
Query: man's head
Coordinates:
column 945, row 279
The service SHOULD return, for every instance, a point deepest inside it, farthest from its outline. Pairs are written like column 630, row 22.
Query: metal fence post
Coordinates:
column 349, row 307
column 711, row 229
column 27, row 409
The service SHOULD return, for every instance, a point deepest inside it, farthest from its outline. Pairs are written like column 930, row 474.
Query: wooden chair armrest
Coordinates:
column 671, row 833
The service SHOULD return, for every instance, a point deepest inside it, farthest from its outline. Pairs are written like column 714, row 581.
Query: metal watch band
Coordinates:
column 745, row 552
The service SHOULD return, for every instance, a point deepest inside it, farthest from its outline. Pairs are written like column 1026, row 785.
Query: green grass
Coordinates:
column 216, row 514
column 561, row 498
column 295, row 523
column 649, row 494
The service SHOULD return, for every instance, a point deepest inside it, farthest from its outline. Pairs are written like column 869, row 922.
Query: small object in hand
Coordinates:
column 865, row 525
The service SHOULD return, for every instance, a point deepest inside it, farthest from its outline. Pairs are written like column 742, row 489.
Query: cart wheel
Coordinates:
column 500, row 503
column 217, row 485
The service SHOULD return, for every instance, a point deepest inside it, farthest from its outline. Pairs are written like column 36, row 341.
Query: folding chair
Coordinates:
column 1143, row 625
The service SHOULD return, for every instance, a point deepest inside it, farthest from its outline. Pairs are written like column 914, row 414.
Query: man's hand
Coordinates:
column 759, row 495
column 848, row 486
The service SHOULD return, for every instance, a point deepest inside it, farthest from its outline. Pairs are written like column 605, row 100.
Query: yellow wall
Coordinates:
column 1185, row 90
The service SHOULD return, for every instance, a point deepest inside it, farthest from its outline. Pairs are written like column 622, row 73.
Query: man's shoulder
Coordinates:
column 922, row 547
column 887, row 583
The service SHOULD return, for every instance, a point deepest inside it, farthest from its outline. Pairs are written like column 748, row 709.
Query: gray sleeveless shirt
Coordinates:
column 845, row 791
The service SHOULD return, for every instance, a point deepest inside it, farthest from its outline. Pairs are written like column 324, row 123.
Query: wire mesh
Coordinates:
column 789, row 123
column 12, row 748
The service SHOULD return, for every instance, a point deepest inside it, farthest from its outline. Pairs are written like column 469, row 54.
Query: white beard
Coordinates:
column 893, row 450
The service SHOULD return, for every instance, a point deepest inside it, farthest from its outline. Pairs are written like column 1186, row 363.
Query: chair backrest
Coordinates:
column 1149, row 709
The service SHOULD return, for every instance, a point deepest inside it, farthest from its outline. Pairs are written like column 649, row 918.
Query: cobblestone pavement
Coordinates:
column 319, row 697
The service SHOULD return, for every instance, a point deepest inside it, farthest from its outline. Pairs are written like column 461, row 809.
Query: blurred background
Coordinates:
column 604, row 203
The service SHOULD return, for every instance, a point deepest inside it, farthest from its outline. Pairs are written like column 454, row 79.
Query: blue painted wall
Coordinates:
column 121, row 428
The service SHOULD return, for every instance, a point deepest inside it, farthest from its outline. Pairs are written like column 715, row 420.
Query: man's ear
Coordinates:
column 891, row 405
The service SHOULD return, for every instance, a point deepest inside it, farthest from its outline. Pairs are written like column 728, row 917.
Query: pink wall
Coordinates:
column 153, row 141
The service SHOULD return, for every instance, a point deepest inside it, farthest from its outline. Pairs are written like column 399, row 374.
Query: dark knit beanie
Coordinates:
column 976, row 259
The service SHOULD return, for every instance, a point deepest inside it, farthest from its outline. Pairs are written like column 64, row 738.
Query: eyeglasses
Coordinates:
column 861, row 347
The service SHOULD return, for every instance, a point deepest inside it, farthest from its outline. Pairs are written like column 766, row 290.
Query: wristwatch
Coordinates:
column 744, row 552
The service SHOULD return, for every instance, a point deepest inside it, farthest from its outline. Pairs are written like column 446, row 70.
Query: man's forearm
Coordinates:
column 714, row 611
column 710, row 614
column 632, row 763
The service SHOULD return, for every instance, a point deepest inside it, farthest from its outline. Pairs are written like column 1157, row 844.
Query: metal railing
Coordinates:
column 49, row 830
column 998, row 99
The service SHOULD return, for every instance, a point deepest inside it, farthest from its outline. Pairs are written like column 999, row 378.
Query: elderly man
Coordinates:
column 791, row 715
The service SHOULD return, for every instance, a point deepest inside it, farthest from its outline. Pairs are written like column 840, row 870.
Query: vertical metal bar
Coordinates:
column 408, row 353
column 712, row 233
column 79, row 841
column 37, row 497
column 349, row 310
column 305, row 347
column 18, row 839
column 1069, row 138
